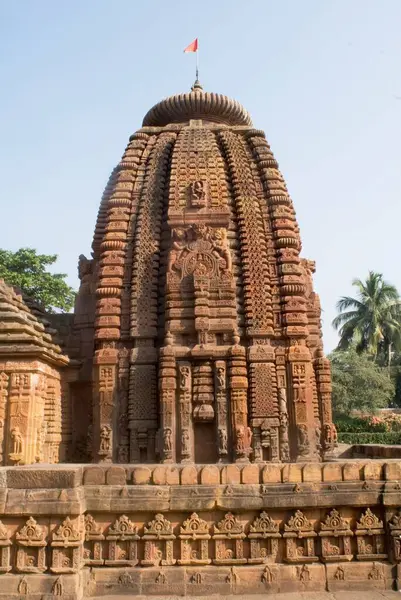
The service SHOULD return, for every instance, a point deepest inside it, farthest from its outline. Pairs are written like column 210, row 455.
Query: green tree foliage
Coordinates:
column 28, row 270
column 359, row 383
column 372, row 320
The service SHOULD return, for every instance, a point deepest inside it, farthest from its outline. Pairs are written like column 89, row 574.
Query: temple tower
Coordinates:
column 206, row 341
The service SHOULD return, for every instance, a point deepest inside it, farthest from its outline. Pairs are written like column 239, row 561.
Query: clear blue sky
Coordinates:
column 321, row 77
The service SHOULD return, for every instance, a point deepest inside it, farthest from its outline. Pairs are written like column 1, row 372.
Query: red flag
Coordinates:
column 193, row 46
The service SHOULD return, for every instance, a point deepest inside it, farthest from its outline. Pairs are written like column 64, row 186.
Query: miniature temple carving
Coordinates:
column 122, row 540
column 66, row 548
column 336, row 538
column 264, row 535
column 370, row 537
column 194, row 536
column 93, row 542
column 31, row 548
column 158, row 536
column 300, row 537
column 228, row 538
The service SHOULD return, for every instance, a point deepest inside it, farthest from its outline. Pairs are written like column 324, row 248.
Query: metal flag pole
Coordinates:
column 197, row 61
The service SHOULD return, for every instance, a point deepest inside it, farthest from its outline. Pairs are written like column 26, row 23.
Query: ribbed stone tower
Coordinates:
column 196, row 316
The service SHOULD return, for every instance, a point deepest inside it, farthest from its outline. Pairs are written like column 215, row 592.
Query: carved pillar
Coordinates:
column 186, row 433
column 167, row 386
column 222, row 421
column 19, row 426
column 238, row 383
column 142, row 403
column 123, row 386
column 52, row 411
column 4, row 380
column 302, row 417
column 203, row 392
column 105, row 380
column 328, row 438
column 283, row 405
column 263, row 402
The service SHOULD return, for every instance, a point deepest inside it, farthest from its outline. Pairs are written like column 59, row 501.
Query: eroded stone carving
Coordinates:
column 122, row 539
column 158, row 538
column 228, row 539
column 66, row 548
column 300, row 539
column 264, row 535
column 336, row 538
column 370, row 537
column 31, row 548
column 194, row 536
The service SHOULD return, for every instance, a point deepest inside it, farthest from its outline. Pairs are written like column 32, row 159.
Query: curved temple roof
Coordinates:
column 197, row 104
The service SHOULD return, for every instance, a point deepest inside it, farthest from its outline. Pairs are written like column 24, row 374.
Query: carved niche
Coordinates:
column 370, row 537
column 336, row 538
column 93, row 544
column 158, row 538
column 264, row 535
column 229, row 541
column 395, row 532
column 194, row 536
column 5, row 544
column 66, row 548
column 300, row 539
column 123, row 539
column 31, row 548
column 198, row 194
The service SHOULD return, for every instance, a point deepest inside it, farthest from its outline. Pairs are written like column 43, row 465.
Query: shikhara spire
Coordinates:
column 210, row 309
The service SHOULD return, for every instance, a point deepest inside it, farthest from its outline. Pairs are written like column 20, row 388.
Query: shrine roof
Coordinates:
column 197, row 104
column 24, row 329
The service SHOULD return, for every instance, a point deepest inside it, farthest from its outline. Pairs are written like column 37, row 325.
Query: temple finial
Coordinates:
column 197, row 86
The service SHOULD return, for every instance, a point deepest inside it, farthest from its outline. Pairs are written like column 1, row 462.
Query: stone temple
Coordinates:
column 174, row 435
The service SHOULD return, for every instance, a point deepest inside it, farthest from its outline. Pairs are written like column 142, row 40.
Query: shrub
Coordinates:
column 389, row 437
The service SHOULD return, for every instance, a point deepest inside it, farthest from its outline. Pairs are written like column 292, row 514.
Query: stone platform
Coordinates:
column 363, row 595
column 199, row 530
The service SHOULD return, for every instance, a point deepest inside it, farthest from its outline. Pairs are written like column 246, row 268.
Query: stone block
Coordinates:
column 44, row 477
column 172, row 476
column 312, row 473
column 159, row 476
column 263, row 580
column 141, row 475
column 210, row 475
column 352, row 472
column 38, row 586
column 230, row 474
column 302, row 578
column 189, row 476
column 332, row 472
column 271, row 474
column 250, row 474
column 292, row 473
column 116, row 476
column 121, row 581
column 94, row 476
column 162, row 581
column 367, row 575
column 193, row 498
column 208, row 581
column 392, row 471
column 373, row 470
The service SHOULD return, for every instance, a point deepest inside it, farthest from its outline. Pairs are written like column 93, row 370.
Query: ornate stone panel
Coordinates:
column 194, row 536
column 300, row 539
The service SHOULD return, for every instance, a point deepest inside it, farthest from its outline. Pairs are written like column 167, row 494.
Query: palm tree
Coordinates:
column 372, row 320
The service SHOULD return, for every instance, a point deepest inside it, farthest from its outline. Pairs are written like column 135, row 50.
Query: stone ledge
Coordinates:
column 70, row 476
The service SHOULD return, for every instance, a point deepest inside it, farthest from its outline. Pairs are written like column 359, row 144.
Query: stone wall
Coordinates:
column 79, row 531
